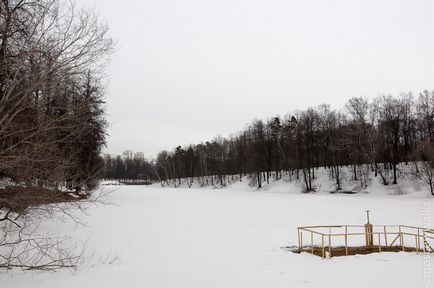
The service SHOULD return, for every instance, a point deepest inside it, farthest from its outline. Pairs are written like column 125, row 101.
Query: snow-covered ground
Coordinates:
column 179, row 237
column 409, row 182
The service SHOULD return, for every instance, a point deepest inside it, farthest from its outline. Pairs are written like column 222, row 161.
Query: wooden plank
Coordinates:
column 408, row 234
column 326, row 226
column 349, row 234
column 411, row 227
column 311, row 231
column 393, row 242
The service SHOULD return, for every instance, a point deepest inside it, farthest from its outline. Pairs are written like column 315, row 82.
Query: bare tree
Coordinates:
column 47, row 53
column 52, row 125
column 425, row 116
column 424, row 155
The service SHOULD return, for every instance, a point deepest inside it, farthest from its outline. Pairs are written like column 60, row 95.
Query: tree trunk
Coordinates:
column 259, row 180
column 338, row 180
column 306, row 181
column 355, row 172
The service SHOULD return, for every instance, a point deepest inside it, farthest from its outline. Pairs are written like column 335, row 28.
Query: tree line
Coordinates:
column 128, row 169
column 378, row 133
column 52, row 125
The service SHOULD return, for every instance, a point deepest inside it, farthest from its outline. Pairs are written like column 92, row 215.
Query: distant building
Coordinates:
column 127, row 155
column 139, row 156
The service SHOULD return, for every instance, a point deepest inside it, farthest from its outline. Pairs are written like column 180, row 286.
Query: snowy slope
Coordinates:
column 325, row 183
column 156, row 237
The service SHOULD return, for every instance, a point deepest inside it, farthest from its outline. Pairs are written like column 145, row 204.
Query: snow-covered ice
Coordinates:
column 167, row 237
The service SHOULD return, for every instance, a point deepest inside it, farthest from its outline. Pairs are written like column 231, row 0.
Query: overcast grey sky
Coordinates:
column 186, row 71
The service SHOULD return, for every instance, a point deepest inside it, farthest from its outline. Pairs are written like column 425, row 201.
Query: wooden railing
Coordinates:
column 380, row 237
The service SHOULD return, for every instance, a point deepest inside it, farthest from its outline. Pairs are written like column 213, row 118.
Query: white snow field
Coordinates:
column 177, row 237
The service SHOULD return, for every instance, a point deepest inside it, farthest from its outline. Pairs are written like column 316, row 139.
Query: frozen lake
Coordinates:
column 165, row 237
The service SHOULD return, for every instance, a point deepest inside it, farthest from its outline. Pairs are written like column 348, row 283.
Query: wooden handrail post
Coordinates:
column 330, row 246
column 323, row 253
column 301, row 241
column 425, row 247
column 403, row 245
column 298, row 236
column 385, row 235
column 379, row 242
column 311, row 241
column 346, row 240
column 368, row 234
column 401, row 238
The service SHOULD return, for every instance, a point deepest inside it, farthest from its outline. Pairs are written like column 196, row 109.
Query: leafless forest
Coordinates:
column 380, row 133
column 52, row 125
